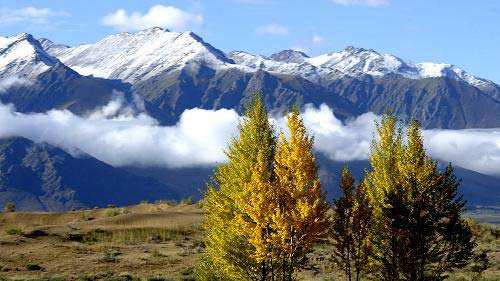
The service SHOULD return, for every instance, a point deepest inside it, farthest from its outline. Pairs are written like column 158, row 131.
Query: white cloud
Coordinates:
column 316, row 39
column 159, row 15
column 371, row 3
column 474, row 149
column 118, row 135
column 28, row 14
column 272, row 29
column 6, row 83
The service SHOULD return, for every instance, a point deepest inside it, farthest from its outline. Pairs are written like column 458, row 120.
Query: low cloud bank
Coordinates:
column 118, row 135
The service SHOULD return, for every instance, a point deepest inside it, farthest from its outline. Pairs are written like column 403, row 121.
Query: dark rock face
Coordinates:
column 168, row 96
column 435, row 102
column 42, row 177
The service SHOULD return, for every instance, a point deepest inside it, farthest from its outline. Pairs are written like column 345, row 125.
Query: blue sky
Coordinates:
column 465, row 33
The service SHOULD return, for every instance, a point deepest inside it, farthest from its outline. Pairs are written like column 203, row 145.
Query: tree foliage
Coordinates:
column 350, row 228
column 235, row 222
column 265, row 209
column 300, row 218
column 417, row 233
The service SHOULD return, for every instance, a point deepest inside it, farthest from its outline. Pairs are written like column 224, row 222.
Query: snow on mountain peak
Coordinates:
column 140, row 55
column 357, row 61
column 22, row 56
column 145, row 54
column 290, row 56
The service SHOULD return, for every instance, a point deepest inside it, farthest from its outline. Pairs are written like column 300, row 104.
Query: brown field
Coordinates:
column 147, row 241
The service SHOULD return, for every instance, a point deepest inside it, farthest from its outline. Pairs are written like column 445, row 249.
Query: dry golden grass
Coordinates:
column 142, row 241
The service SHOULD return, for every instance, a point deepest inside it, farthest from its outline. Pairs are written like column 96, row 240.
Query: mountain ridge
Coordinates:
column 175, row 71
column 38, row 176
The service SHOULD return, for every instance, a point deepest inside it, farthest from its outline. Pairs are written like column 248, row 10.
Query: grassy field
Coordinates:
column 147, row 241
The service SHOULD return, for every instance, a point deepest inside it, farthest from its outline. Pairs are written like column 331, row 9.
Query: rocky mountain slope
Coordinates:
column 45, row 178
column 35, row 81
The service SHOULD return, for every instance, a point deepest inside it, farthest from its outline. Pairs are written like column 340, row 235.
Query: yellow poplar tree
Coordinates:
column 300, row 218
column 394, row 161
column 237, row 204
column 385, row 158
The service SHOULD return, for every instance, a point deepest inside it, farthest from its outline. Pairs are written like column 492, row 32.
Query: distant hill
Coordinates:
column 478, row 189
column 45, row 178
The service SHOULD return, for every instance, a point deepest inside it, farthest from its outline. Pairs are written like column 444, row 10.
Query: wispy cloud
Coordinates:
column 12, row 81
column 272, row 29
column 29, row 14
column 371, row 3
column 316, row 39
column 159, row 15
column 254, row 2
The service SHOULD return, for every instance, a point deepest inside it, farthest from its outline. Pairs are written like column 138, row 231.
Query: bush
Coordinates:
column 9, row 207
column 14, row 231
column 33, row 267
column 110, row 255
column 74, row 236
column 187, row 201
column 112, row 212
column 187, row 271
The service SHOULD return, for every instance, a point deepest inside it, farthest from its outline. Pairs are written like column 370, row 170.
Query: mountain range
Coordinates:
column 175, row 71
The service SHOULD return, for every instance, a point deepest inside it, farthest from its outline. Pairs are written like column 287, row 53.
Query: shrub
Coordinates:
column 35, row 233
column 14, row 231
column 187, row 201
column 9, row 207
column 112, row 213
column 33, row 267
column 187, row 271
column 110, row 255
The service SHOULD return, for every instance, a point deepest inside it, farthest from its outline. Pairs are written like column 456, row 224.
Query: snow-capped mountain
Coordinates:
column 23, row 57
column 174, row 71
column 142, row 55
column 352, row 62
column 139, row 56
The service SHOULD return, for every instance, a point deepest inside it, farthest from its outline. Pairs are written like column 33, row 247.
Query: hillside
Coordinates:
column 45, row 178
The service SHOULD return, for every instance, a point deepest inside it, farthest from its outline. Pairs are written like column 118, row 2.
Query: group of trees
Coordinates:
column 403, row 220
column 265, row 210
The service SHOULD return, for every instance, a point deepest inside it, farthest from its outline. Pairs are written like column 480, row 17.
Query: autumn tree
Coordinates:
column 300, row 218
column 417, row 231
column 238, row 202
column 350, row 228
